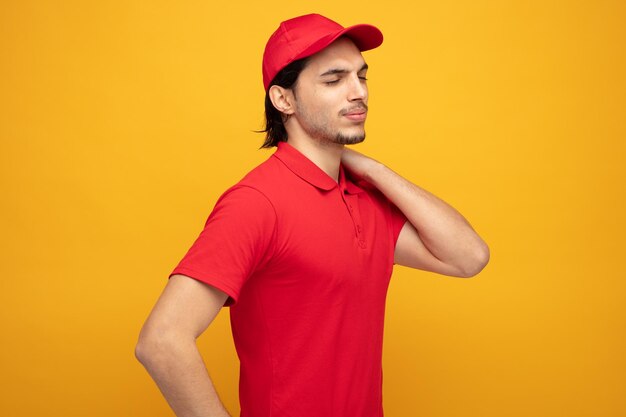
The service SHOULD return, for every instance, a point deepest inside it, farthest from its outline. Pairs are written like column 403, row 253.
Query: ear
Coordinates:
column 282, row 99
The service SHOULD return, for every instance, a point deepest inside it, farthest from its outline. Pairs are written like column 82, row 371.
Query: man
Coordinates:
column 303, row 247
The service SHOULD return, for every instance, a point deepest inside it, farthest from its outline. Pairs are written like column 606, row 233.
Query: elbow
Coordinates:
column 145, row 349
column 476, row 262
column 153, row 347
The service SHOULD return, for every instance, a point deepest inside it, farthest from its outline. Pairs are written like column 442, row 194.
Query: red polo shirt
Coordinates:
column 306, row 262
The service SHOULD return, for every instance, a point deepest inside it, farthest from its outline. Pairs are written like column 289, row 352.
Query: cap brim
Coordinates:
column 364, row 36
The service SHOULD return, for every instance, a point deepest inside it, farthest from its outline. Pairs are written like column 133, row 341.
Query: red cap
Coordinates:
column 306, row 35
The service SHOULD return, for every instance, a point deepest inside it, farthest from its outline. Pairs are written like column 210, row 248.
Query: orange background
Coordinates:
column 121, row 122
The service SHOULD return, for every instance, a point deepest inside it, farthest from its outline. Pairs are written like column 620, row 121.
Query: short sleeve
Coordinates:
column 236, row 239
column 397, row 221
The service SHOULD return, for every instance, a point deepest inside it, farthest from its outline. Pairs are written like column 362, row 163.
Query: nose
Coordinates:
column 358, row 89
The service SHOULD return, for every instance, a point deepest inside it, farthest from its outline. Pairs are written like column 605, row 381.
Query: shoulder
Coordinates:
column 271, row 178
column 254, row 185
column 263, row 174
column 246, row 202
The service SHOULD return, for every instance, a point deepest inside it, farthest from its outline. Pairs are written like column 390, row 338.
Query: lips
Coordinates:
column 357, row 114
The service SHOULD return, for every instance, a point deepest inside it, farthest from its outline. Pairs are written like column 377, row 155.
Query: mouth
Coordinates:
column 357, row 114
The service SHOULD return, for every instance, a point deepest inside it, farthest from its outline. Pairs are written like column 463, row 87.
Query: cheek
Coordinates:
column 317, row 106
column 326, row 104
column 320, row 105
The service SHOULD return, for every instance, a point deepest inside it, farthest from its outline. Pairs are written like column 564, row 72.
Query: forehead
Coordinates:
column 341, row 53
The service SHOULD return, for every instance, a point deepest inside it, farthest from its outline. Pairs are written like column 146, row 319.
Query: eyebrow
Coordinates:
column 334, row 71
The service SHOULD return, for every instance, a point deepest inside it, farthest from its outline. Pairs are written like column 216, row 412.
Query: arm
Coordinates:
column 436, row 237
column 167, row 346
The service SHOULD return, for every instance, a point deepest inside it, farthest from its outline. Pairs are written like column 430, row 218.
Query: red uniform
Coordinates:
column 306, row 262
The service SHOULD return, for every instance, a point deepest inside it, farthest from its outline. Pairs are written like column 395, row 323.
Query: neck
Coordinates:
column 327, row 156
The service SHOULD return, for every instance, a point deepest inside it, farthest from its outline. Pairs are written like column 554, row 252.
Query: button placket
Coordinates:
column 351, row 202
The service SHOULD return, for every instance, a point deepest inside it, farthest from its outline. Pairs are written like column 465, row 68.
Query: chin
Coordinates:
column 349, row 139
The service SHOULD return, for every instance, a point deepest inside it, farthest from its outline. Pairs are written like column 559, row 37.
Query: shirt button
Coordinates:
column 358, row 229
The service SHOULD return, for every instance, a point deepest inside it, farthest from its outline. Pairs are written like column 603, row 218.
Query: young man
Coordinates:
column 302, row 248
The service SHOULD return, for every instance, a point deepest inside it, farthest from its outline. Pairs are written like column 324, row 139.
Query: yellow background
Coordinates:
column 121, row 122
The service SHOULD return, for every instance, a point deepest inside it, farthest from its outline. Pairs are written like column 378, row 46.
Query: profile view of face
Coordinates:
column 331, row 95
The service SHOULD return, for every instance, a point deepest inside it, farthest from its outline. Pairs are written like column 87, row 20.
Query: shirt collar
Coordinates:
column 311, row 173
